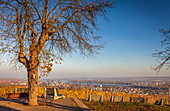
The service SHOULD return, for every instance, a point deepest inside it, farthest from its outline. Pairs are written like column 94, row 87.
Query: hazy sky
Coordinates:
column 130, row 38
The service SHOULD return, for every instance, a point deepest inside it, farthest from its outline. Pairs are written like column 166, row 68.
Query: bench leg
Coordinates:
column 10, row 99
column 44, row 100
column 51, row 102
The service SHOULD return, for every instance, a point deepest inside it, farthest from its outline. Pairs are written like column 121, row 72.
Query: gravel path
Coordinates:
column 56, row 105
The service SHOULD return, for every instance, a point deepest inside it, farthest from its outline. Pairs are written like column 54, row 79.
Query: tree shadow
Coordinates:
column 72, row 108
column 41, row 103
column 23, row 101
column 3, row 108
column 20, row 101
column 51, row 103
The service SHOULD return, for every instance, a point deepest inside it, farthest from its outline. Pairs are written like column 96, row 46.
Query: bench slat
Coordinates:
column 16, row 95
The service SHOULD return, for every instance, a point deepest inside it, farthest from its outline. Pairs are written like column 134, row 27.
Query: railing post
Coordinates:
column 162, row 102
column 89, row 99
column 111, row 98
column 131, row 99
column 101, row 99
column 123, row 99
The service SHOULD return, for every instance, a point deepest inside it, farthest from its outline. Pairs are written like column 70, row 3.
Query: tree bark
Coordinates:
column 33, row 85
column 33, row 72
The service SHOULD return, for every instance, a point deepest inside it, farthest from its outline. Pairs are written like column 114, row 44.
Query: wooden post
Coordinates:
column 162, row 102
column 101, row 99
column 123, row 99
column 111, row 99
column 89, row 99
column 145, row 100
column 55, row 94
column 87, row 95
column 131, row 99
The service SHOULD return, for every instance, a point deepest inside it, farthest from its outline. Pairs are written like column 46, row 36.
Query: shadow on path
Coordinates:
column 72, row 108
column 3, row 108
column 20, row 101
column 52, row 104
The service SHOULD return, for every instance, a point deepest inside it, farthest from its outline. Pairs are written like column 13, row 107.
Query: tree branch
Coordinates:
column 37, row 11
column 53, row 10
column 45, row 13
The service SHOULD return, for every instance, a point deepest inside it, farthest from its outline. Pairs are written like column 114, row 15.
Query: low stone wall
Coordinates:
column 118, row 99
column 137, row 99
column 100, row 98
column 95, row 97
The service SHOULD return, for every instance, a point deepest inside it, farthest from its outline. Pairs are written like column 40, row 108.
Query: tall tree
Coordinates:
column 163, row 56
column 37, row 32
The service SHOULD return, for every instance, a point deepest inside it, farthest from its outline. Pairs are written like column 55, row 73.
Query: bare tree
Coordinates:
column 37, row 32
column 163, row 57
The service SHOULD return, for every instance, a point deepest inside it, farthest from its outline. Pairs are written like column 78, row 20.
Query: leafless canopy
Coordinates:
column 49, row 28
column 163, row 57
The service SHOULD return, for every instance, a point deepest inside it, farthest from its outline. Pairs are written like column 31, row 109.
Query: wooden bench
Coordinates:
column 11, row 96
column 52, row 93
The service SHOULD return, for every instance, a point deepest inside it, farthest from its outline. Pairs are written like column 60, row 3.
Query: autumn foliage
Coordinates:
column 83, row 93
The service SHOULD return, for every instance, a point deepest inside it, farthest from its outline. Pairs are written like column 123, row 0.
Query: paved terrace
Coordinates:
column 67, row 104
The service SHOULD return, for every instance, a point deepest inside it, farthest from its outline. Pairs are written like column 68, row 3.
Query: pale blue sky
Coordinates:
column 130, row 38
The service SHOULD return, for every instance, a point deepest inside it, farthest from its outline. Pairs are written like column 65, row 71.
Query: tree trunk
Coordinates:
column 33, row 85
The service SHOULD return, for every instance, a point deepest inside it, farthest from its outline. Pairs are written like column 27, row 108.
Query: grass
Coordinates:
column 124, row 106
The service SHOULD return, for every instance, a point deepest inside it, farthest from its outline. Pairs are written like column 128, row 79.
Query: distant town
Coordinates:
column 130, row 85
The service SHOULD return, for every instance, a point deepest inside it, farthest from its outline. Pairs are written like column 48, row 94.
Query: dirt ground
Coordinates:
column 66, row 104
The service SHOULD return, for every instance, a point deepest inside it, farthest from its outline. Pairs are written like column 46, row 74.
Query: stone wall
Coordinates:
column 137, row 99
column 100, row 98
column 117, row 98
column 95, row 98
